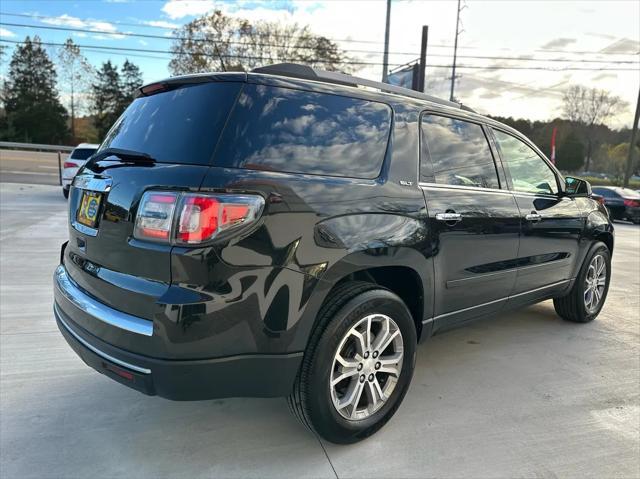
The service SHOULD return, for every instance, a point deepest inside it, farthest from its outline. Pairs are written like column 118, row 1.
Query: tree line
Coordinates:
column 584, row 143
column 31, row 109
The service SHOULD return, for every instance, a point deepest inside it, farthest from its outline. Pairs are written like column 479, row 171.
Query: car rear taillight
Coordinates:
column 70, row 164
column 155, row 216
column 188, row 218
column 632, row 203
column 600, row 200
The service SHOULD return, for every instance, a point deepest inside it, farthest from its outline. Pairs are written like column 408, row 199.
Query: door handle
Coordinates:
column 449, row 217
column 533, row 216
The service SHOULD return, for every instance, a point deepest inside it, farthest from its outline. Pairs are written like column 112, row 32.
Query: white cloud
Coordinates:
column 187, row 8
column 6, row 33
column 161, row 24
column 74, row 22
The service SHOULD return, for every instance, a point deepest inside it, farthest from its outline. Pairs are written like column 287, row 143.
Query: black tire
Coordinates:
column 572, row 306
column 311, row 400
column 65, row 193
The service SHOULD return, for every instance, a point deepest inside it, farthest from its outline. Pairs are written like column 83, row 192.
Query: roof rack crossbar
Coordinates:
column 305, row 72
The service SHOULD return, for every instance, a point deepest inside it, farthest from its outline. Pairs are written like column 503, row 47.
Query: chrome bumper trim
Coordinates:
column 98, row 310
column 100, row 353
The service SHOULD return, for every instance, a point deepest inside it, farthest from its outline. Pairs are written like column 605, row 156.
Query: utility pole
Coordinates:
column 385, row 58
column 632, row 144
column 455, row 53
column 423, row 58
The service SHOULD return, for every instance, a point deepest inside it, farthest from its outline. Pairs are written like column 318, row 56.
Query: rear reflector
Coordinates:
column 123, row 373
column 187, row 218
column 70, row 164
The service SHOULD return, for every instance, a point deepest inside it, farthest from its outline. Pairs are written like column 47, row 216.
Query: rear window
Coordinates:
column 286, row 130
column 178, row 126
column 82, row 153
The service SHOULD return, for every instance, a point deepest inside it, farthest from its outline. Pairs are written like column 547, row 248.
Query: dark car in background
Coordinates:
column 622, row 203
column 293, row 232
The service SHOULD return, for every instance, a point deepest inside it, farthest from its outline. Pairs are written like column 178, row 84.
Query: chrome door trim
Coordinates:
column 98, row 310
column 441, row 186
column 97, row 351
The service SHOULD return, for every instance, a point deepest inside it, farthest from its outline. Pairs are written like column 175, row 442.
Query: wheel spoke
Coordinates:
column 602, row 281
column 356, row 400
column 598, row 295
column 344, row 374
column 368, row 333
column 384, row 344
column 390, row 364
column 382, row 335
column 352, row 397
column 361, row 343
column 601, row 265
column 347, row 363
column 372, row 395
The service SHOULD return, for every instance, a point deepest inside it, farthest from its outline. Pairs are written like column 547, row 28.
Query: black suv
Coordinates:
column 293, row 232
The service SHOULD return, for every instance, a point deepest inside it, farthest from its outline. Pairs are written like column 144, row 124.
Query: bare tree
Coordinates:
column 75, row 74
column 590, row 107
column 217, row 42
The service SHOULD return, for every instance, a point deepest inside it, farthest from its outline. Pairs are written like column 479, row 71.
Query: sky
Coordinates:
column 515, row 58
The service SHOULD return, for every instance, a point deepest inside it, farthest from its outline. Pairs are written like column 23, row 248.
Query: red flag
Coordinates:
column 553, row 145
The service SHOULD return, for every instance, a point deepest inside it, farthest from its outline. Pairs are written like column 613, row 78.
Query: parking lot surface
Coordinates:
column 521, row 394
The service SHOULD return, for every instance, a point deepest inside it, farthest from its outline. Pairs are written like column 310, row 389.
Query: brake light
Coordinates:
column 187, row 218
column 70, row 164
column 601, row 200
column 632, row 203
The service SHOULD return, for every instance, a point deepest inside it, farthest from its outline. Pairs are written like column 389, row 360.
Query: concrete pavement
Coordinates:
column 33, row 167
column 523, row 394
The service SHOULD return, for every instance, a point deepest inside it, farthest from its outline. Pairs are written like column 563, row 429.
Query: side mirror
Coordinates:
column 576, row 187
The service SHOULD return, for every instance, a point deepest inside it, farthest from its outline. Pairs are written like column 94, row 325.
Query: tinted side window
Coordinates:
column 177, row 126
column 459, row 152
column 281, row 129
column 529, row 172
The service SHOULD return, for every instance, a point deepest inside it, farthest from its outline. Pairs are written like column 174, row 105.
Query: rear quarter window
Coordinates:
column 178, row 126
column 294, row 131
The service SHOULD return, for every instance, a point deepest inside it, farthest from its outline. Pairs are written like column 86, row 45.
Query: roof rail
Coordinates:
column 306, row 72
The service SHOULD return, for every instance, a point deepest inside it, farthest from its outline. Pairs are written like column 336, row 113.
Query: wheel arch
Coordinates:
column 404, row 271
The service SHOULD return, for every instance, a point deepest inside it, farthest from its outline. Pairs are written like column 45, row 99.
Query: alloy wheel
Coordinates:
column 595, row 282
column 366, row 367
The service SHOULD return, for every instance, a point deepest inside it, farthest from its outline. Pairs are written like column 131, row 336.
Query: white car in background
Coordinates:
column 71, row 165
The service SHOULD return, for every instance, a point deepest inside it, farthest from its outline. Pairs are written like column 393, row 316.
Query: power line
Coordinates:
column 204, row 54
column 344, row 40
column 163, row 37
column 349, row 62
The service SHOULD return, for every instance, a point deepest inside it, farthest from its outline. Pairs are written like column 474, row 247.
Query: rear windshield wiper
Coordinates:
column 125, row 155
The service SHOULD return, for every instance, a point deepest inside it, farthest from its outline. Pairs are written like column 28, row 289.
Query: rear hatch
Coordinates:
column 164, row 140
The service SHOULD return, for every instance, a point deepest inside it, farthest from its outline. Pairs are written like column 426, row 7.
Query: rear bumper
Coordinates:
column 254, row 375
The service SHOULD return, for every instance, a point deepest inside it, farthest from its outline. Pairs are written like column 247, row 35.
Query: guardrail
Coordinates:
column 40, row 147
